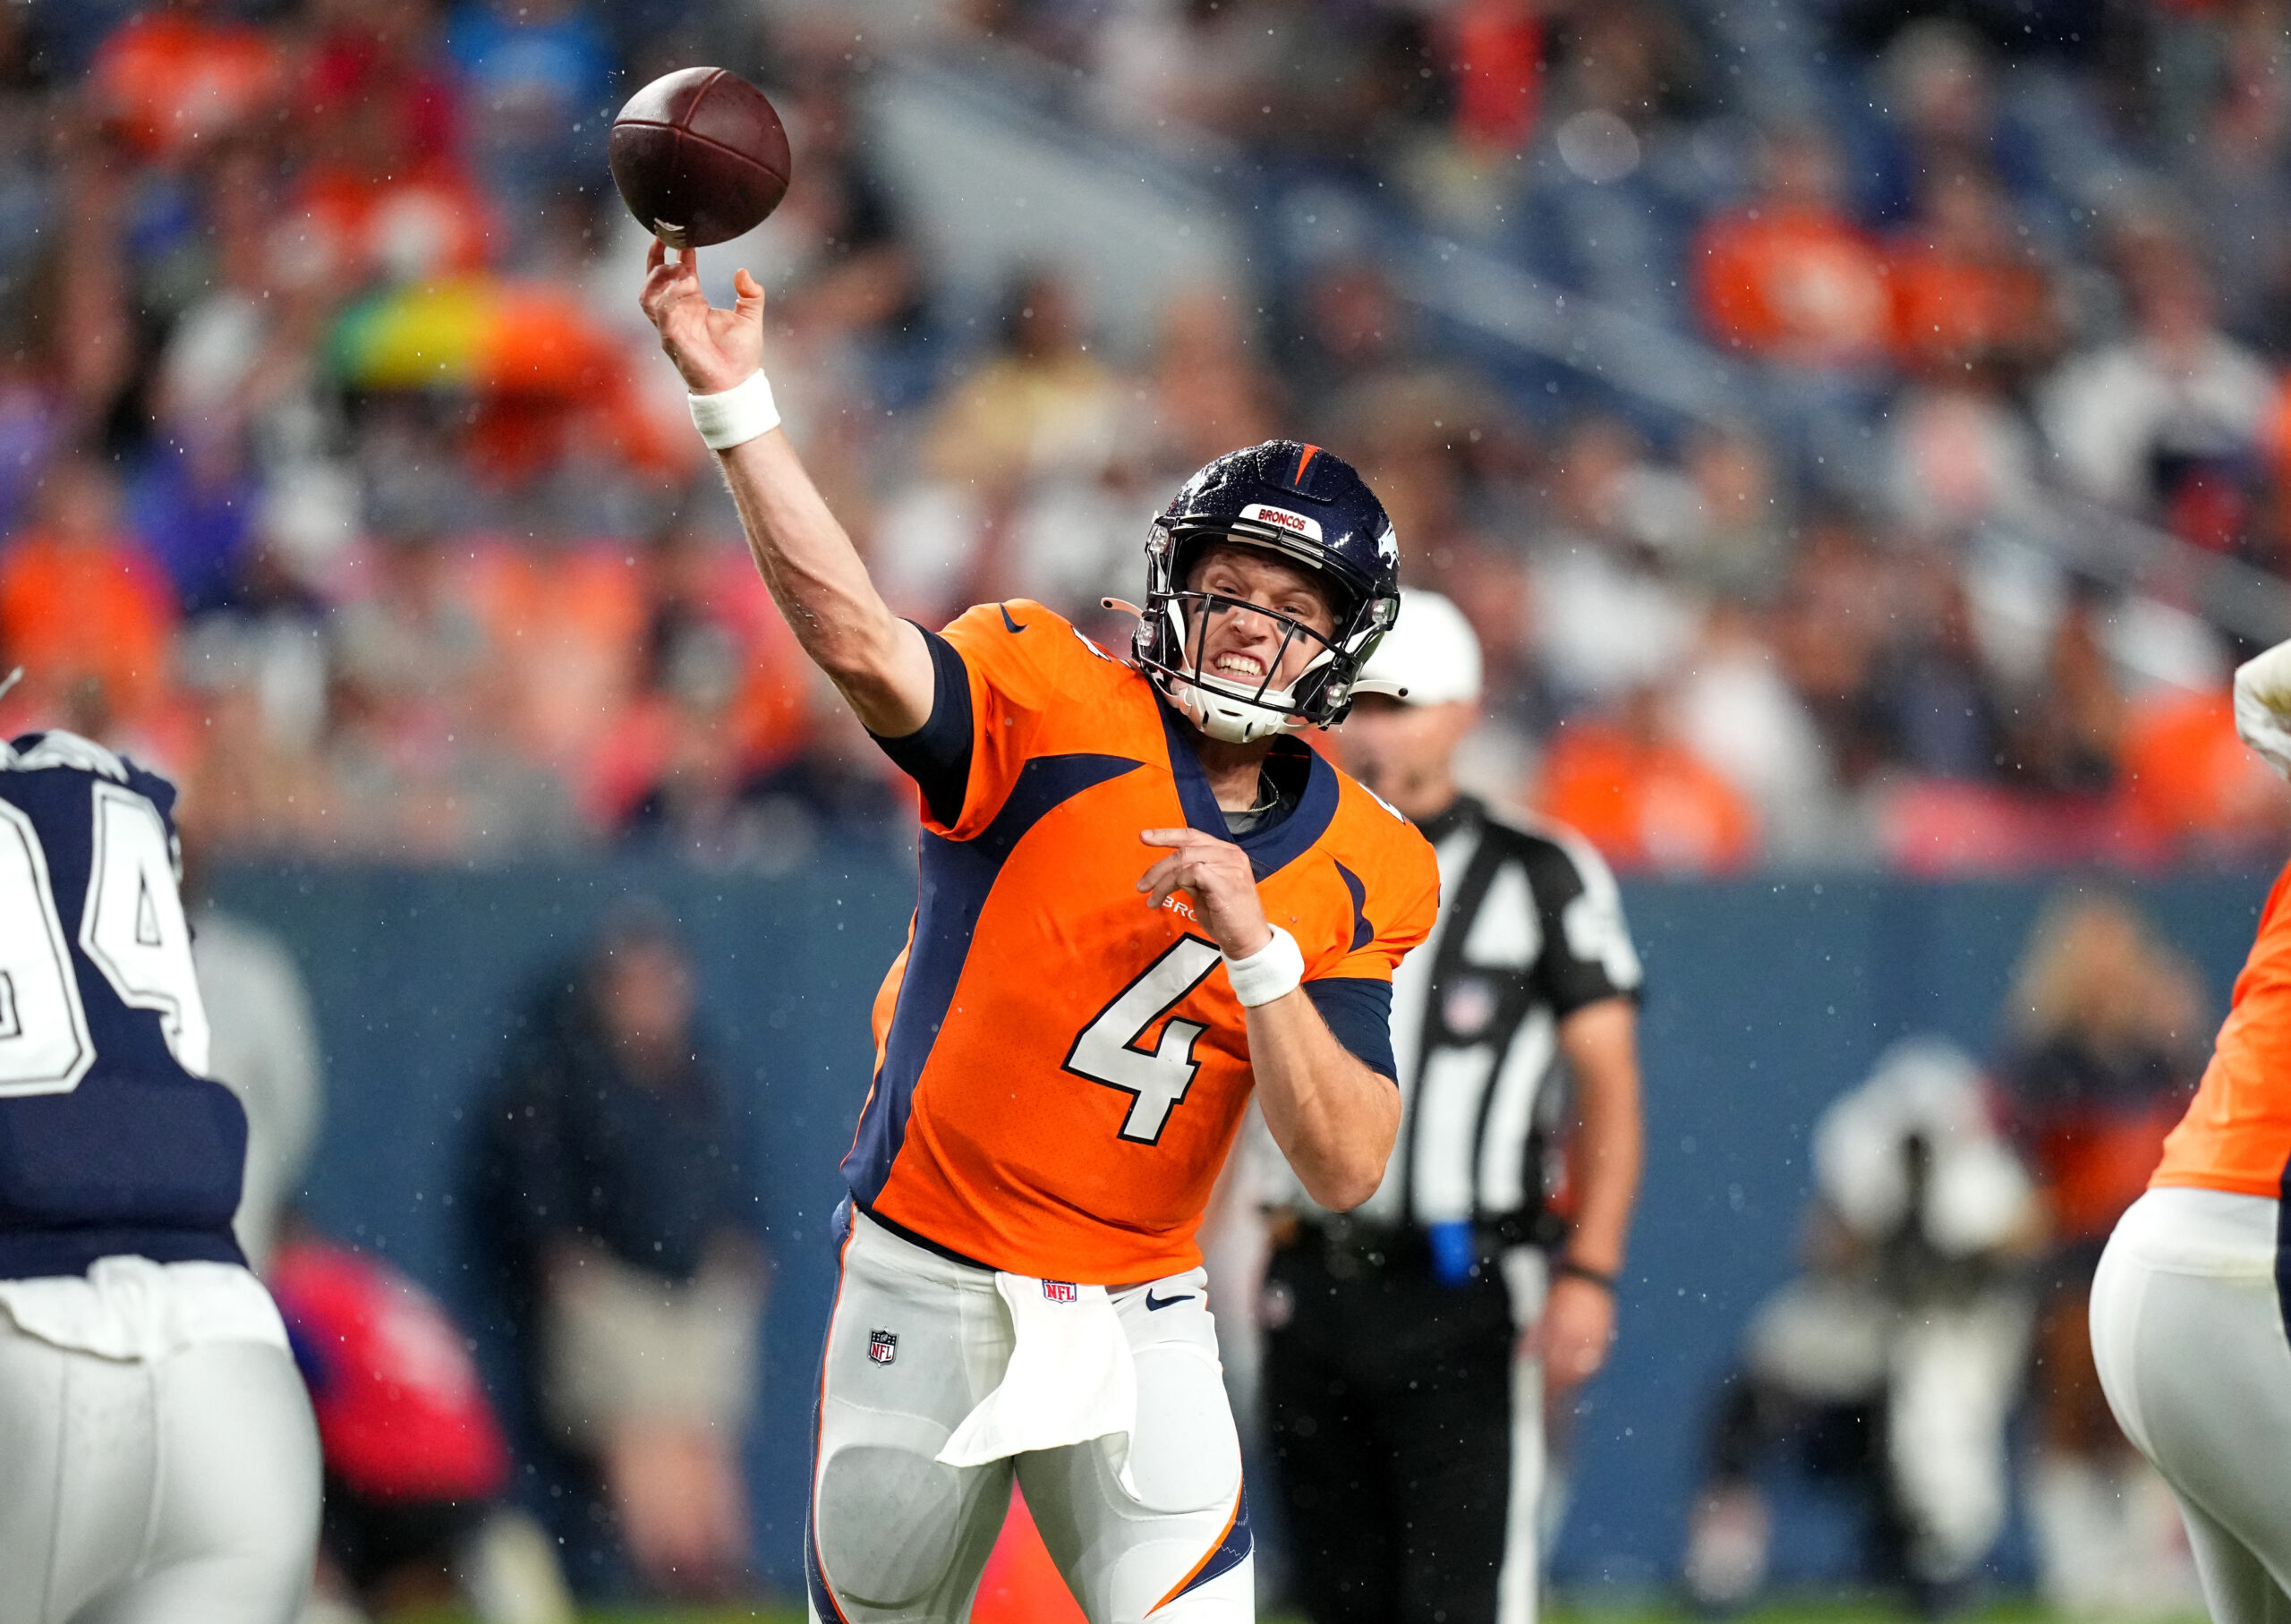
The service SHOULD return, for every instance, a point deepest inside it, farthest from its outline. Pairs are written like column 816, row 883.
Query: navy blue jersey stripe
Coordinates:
column 958, row 875
column 1363, row 931
column 2283, row 1247
column 1272, row 847
column 814, row 1576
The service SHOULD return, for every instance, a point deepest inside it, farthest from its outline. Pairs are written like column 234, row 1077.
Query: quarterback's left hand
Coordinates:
column 1217, row 874
column 1575, row 1331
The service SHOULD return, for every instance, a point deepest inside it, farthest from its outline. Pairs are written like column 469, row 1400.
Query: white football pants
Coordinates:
column 179, row 1489
column 2188, row 1332
column 895, row 1536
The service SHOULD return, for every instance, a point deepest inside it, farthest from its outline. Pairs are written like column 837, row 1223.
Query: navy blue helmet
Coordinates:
column 1308, row 508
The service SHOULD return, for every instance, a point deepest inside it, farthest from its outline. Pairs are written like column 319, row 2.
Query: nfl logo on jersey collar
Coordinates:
column 883, row 1347
column 1061, row 1291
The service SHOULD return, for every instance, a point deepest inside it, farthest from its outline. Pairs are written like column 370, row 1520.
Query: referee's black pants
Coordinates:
column 1389, row 1400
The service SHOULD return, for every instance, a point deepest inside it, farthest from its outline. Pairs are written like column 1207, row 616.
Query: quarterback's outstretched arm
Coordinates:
column 879, row 662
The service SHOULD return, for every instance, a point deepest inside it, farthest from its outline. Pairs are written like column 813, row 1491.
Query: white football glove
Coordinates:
column 2263, row 705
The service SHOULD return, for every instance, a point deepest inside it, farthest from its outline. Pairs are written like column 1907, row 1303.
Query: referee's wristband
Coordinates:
column 1567, row 1268
column 735, row 416
column 1274, row 971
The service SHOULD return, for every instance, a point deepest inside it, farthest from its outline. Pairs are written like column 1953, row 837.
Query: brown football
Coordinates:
column 698, row 155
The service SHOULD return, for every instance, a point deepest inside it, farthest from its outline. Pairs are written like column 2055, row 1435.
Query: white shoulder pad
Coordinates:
column 58, row 748
column 2263, row 705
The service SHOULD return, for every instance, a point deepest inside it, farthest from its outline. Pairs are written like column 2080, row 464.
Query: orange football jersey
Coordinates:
column 1060, row 1069
column 2237, row 1133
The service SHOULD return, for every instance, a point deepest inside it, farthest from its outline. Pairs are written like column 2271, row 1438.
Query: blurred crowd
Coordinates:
column 1933, row 1357
column 340, row 477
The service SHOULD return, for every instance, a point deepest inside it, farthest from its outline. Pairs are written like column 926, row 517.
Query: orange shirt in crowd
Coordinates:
column 1799, row 284
column 2189, row 779
column 414, row 227
column 170, row 80
column 71, row 611
column 544, row 371
column 1645, row 805
column 2236, row 1135
column 1948, row 309
column 1497, row 50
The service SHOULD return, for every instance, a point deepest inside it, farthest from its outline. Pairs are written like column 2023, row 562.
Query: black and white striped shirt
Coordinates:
column 1530, row 931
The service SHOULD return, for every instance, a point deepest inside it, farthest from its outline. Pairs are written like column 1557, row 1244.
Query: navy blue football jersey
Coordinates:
column 113, row 1139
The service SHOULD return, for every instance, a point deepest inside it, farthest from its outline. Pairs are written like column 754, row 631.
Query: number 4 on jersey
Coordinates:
column 1103, row 1050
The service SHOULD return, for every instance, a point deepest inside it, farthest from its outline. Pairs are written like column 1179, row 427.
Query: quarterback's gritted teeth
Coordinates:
column 1240, row 665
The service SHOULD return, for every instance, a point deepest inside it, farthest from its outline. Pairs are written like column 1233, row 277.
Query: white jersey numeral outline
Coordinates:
column 134, row 926
column 45, row 1048
column 1104, row 1050
column 132, row 930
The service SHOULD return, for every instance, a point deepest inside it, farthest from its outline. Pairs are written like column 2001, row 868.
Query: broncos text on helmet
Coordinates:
column 1308, row 508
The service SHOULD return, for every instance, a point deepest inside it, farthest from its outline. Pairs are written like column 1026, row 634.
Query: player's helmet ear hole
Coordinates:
column 888, row 1522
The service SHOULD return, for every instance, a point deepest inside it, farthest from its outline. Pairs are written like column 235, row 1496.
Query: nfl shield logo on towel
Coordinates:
column 1061, row 1291
column 883, row 1347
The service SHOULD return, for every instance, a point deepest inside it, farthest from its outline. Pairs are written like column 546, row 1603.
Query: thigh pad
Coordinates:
column 1185, row 1455
column 889, row 1517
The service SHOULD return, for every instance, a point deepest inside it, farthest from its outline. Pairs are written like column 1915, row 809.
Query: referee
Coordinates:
column 1407, row 1341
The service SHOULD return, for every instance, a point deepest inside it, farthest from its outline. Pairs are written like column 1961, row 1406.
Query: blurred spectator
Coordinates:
column 1210, row 387
column 1966, row 292
column 422, row 758
column 2161, row 419
column 2069, row 729
column 537, row 74
column 416, row 1466
column 2237, row 183
column 84, row 609
column 1960, row 454
column 1891, row 1365
column 1042, row 406
column 1788, row 275
column 192, row 508
column 383, row 195
column 1940, row 86
column 2191, row 782
column 1043, row 402
column 1740, row 540
column 1608, row 614
column 2107, row 1035
column 1939, row 706
column 713, row 806
column 1831, row 625
column 1648, row 802
column 612, row 1201
column 1736, row 713
column 182, row 74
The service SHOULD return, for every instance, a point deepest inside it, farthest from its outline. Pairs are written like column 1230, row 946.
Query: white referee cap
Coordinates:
column 1431, row 650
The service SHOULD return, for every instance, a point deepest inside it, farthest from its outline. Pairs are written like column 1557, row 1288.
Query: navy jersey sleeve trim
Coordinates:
column 937, row 755
column 1359, row 1013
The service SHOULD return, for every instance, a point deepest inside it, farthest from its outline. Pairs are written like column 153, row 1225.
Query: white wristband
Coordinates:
column 735, row 415
column 1274, row 971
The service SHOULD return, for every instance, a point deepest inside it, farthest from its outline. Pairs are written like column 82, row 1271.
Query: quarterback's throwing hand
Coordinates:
column 1216, row 874
column 714, row 349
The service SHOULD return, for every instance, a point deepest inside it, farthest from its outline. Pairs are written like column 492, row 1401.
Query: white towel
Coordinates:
column 1070, row 1378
